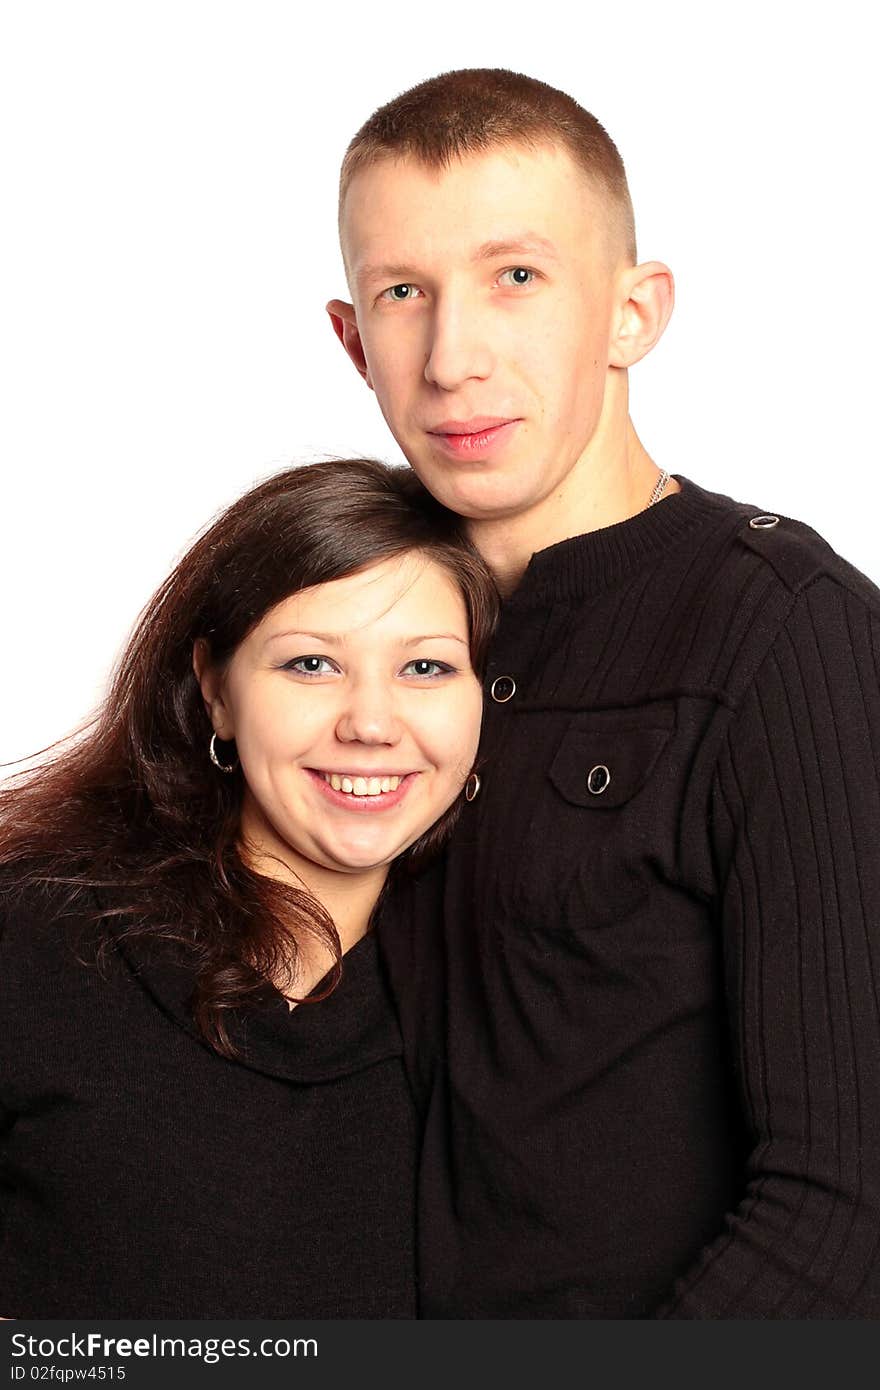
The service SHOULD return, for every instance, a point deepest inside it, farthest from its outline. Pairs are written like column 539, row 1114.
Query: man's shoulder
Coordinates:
column 794, row 553
column 765, row 581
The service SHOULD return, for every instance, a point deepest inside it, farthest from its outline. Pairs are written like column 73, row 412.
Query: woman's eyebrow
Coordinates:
column 435, row 637
column 328, row 638
column 325, row 637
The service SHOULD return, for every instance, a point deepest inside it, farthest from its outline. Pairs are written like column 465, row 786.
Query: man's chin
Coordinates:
column 476, row 491
column 474, row 505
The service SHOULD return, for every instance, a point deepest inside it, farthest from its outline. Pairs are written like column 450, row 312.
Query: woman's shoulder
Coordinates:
column 37, row 917
column 54, row 974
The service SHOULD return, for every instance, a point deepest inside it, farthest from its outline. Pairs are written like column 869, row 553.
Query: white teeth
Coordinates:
column 361, row 786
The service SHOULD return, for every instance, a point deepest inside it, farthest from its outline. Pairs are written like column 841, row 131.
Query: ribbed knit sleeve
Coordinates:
column 796, row 834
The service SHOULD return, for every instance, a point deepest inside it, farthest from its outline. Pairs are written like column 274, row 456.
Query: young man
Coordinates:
column 646, row 1030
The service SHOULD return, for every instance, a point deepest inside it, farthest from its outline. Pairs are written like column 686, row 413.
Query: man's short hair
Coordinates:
column 473, row 110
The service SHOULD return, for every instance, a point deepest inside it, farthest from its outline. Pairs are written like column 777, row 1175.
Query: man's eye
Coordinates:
column 518, row 275
column 399, row 293
column 310, row 666
column 424, row 669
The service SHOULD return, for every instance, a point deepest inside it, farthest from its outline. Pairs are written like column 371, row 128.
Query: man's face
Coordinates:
column 484, row 297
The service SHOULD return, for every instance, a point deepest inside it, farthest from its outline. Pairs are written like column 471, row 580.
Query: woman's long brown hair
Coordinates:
column 128, row 822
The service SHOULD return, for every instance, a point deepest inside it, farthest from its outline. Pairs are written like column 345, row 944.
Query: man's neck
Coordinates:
column 610, row 485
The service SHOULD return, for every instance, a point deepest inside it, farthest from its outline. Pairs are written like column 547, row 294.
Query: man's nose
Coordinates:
column 369, row 714
column 459, row 349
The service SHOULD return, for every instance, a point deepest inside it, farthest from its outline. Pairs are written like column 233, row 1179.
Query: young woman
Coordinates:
column 202, row 1106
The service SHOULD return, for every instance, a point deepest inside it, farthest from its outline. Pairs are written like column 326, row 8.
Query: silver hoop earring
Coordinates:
column 472, row 787
column 212, row 750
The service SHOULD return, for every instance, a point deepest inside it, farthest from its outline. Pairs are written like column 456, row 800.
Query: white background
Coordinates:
column 169, row 187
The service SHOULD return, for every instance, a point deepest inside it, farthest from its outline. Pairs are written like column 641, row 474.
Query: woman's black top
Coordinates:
column 144, row 1175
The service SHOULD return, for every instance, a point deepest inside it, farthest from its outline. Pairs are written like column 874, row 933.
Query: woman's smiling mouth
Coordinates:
column 359, row 785
column 356, row 791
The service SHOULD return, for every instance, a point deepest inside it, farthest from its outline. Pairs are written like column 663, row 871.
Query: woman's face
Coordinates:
column 356, row 715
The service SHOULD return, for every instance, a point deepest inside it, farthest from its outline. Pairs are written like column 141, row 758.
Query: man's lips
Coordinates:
column 476, row 425
column 474, row 436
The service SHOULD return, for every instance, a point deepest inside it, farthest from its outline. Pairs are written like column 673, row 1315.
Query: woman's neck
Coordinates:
column 348, row 898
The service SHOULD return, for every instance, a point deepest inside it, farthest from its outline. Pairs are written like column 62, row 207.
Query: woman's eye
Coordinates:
column 310, row 666
column 424, row 669
column 399, row 293
column 518, row 275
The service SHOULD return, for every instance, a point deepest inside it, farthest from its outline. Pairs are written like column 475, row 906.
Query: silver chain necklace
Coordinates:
column 659, row 487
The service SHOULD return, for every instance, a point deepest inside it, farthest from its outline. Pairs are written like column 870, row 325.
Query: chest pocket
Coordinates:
column 603, row 811
column 601, row 769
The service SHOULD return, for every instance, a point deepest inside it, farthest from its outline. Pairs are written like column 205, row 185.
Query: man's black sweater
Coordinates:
column 645, row 1026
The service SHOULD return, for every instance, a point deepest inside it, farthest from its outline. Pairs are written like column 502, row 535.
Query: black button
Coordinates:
column 503, row 689
column 598, row 779
column 764, row 523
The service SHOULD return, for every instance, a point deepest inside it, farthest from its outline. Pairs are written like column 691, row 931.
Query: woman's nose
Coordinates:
column 369, row 716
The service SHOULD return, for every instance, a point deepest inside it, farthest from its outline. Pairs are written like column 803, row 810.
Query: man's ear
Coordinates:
column 647, row 294
column 211, row 686
column 344, row 321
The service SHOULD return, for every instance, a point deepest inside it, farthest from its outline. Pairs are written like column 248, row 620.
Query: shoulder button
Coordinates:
column 792, row 550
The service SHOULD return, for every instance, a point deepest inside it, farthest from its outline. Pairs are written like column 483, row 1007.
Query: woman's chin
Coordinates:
column 364, row 860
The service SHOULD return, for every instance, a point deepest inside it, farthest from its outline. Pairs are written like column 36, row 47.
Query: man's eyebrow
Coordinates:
column 388, row 274
column 529, row 244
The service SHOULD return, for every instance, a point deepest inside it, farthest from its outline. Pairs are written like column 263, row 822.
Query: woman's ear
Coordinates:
column 211, row 685
column 344, row 321
column 647, row 294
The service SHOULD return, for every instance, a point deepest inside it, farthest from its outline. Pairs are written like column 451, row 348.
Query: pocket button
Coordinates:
column 598, row 779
